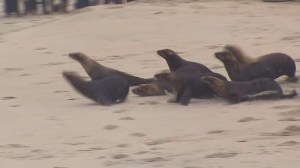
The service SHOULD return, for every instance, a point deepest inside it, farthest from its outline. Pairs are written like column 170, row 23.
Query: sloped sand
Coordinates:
column 45, row 123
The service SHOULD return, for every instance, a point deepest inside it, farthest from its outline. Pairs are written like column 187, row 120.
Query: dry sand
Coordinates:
column 46, row 124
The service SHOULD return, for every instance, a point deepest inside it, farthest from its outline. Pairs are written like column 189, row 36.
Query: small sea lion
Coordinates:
column 97, row 71
column 241, row 67
column 175, row 62
column 109, row 90
column 188, row 86
column 155, row 88
column 235, row 92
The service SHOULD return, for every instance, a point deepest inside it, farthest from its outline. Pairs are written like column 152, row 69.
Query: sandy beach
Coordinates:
column 46, row 124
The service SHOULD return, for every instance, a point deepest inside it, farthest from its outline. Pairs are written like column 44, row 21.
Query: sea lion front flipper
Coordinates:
column 185, row 96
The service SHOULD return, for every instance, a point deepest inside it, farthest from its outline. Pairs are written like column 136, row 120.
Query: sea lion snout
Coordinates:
column 220, row 55
column 77, row 56
column 68, row 74
column 165, row 52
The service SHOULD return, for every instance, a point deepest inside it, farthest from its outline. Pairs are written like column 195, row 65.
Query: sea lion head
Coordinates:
column 167, row 77
column 224, row 56
column 166, row 53
column 78, row 56
column 217, row 85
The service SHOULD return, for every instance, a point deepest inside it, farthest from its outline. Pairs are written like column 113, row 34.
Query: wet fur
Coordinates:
column 241, row 67
column 187, row 86
column 175, row 62
column 235, row 92
column 106, row 91
column 97, row 71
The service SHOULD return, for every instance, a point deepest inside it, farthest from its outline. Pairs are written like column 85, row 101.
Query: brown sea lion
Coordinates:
column 188, row 86
column 156, row 88
column 241, row 67
column 97, row 71
column 109, row 90
column 235, row 92
column 175, row 62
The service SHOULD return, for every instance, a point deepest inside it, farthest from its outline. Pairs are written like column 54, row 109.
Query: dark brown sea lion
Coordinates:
column 97, row 71
column 175, row 62
column 235, row 92
column 109, row 90
column 188, row 86
column 240, row 67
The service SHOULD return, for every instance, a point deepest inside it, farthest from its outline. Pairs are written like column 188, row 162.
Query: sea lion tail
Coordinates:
column 292, row 94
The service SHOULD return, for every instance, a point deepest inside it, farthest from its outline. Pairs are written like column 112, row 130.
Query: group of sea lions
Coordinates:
column 252, row 79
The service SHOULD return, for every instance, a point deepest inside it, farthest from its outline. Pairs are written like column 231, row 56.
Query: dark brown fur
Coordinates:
column 262, row 88
column 107, row 91
column 243, row 68
column 97, row 71
column 187, row 85
column 175, row 62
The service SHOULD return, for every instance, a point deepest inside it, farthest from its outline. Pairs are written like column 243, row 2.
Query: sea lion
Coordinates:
column 241, row 67
column 97, row 71
column 235, row 92
column 175, row 62
column 109, row 90
column 155, row 88
column 188, row 86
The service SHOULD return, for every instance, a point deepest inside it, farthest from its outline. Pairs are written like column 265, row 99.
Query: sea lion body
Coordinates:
column 109, row 90
column 243, row 68
column 188, row 86
column 175, row 62
column 262, row 88
column 97, row 71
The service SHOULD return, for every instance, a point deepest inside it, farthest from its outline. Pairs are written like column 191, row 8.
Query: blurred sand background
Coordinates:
column 46, row 124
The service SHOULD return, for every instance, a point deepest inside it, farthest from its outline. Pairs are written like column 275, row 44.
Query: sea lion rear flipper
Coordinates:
column 185, row 96
column 262, row 96
column 293, row 93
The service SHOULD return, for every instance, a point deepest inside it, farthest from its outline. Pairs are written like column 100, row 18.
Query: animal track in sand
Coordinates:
column 288, row 131
column 122, row 145
column 8, row 98
column 222, row 155
column 127, row 118
column 159, row 141
column 25, row 74
column 138, row 134
column 149, row 102
column 216, row 132
column 292, row 113
column 53, row 63
column 16, row 146
column 13, row 69
column 155, row 159
column 110, row 127
column 248, row 119
column 289, row 119
column 289, row 143
column 40, row 48
column 61, row 91
column 119, row 111
column 120, row 156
